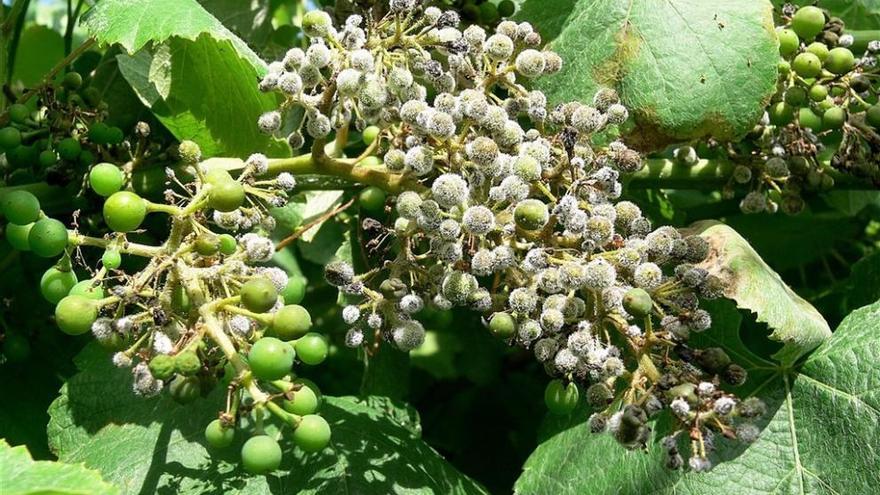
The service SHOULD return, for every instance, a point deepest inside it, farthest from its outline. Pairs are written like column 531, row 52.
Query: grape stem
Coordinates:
column 76, row 239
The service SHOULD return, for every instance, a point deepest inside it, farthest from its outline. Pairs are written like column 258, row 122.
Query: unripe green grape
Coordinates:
column 162, row 366
column 270, row 358
column 19, row 113
column 218, row 436
column 838, row 90
column 48, row 237
column 180, row 299
column 261, row 454
column 840, row 60
column 10, row 138
column 686, row 391
column 227, row 244
column 87, row 290
column 75, row 314
column 834, row 118
column 780, row 114
column 306, row 400
column 808, row 22
column 506, row 8
column 312, row 434
column 20, row 207
column 531, row 214
column 185, row 389
column 371, row 161
column 502, row 325
column 291, row 322
column 217, row 176
column 818, row 49
column 560, row 398
column 190, row 152
column 91, row 95
column 795, row 96
column 16, row 347
column 69, row 148
column 258, row 295
column 370, row 134
column 311, row 348
column 22, row 157
column 111, row 259
column 187, row 363
column 86, row 158
column 207, row 244
column 17, row 236
column 784, row 67
column 807, row 65
column 48, row 158
column 124, row 211
column 372, row 199
column 99, row 133
column 872, row 116
column 105, row 179
column 226, row 195
column 489, row 13
column 295, row 290
column 788, row 42
column 470, row 12
column 818, row 92
column 807, row 118
column 638, row 302
column 115, row 135
column 55, row 284
column 72, row 80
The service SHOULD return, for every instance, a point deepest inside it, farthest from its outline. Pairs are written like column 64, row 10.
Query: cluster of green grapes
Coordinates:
column 204, row 308
column 825, row 110
column 504, row 204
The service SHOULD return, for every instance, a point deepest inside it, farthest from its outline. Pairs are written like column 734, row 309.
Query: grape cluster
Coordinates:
column 826, row 107
column 508, row 207
column 204, row 309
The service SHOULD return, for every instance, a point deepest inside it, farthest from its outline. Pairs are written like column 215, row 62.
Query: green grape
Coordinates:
column 19, row 113
column 17, row 236
column 638, row 303
column 531, row 214
column 371, row 161
column 311, row 348
column 10, row 137
column 124, row 211
column 270, row 358
column 69, row 148
column 20, row 207
column 207, row 244
column 75, row 314
column 306, row 400
column 16, row 347
column 261, row 454
column 470, row 12
column 561, row 398
column 258, row 295
column 22, row 157
column 91, row 95
column 489, row 13
column 838, row 90
column 818, row 49
column 834, row 118
column 818, row 92
column 807, row 118
column 55, row 284
column 784, row 67
column 162, row 366
column 840, row 60
column 185, row 389
column 808, row 22
column 824, row 105
column 372, row 199
column 312, row 434
column 788, row 42
column 86, row 158
column 228, row 245
column 115, row 135
column 872, row 116
column 87, row 62
column 48, row 237
column 106, row 179
column 291, row 322
column 295, row 290
column 87, row 289
column 218, row 436
column 187, row 363
column 807, row 65
column 48, row 158
column 506, row 8
column 370, row 134
column 226, row 195
column 780, row 114
column 316, row 23
column 99, row 133
column 180, row 299
column 111, row 259
column 795, row 96
column 502, row 325
column 72, row 80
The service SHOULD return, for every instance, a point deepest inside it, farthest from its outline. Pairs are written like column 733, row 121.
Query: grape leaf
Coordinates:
column 39, row 49
column 819, row 435
column 251, row 21
column 22, row 475
column 756, row 287
column 156, row 446
column 685, row 68
column 857, row 14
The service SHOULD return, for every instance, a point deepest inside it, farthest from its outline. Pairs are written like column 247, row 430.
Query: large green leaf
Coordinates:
column 251, row 21
column 39, row 49
column 21, row 475
column 756, row 287
column 857, row 14
column 819, row 435
column 156, row 446
column 685, row 68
